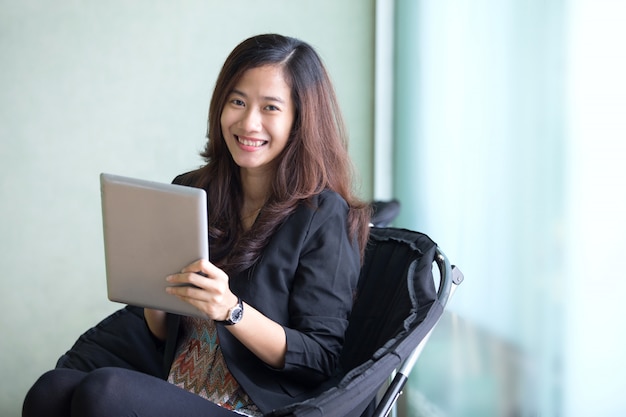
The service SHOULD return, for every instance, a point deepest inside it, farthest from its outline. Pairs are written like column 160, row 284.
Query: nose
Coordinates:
column 251, row 121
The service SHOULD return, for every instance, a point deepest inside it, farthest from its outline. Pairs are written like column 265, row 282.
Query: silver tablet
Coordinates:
column 151, row 230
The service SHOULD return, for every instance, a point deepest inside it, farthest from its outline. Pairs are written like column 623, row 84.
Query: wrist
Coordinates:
column 234, row 315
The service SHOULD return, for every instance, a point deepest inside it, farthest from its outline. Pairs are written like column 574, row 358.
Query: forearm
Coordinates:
column 157, row 322
column 262, row 336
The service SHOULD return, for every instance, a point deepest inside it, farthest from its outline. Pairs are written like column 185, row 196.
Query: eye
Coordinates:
column 271, row 107
column 238, row 102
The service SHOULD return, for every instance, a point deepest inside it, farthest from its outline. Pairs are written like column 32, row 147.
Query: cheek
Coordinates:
column 281, row 134
column 224, row 122
column 286, row 126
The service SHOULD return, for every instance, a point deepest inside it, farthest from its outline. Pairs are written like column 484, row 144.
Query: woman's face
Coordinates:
column 257, row 118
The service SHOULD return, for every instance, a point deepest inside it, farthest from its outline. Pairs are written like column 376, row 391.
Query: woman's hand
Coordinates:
column 204, row 286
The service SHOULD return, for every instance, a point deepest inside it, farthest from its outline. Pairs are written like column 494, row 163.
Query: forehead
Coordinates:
column 264, row 80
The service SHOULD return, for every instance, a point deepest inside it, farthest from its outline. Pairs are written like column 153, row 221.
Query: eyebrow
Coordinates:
column 268, row 98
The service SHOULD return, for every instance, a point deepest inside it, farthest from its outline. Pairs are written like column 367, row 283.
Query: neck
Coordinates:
column 255, row 190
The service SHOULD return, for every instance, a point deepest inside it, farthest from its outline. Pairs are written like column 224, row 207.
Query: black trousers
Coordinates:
column 113, row 392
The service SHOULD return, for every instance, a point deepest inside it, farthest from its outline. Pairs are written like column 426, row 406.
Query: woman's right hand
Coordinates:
column 156, row 320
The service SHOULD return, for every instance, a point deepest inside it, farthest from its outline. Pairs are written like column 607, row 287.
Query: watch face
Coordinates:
column 236, row 314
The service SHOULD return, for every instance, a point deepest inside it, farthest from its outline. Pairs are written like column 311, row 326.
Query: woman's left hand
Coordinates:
column 204, row 286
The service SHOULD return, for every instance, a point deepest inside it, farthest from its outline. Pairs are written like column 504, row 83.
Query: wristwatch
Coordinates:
column 235, row 314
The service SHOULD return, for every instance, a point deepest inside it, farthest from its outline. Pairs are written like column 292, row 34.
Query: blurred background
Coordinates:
column 499, row 124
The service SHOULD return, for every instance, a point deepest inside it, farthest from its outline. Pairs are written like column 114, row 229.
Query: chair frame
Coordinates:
column 450, row 278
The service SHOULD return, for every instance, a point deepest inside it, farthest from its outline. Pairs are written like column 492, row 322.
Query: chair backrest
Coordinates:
column 395, row 307
column 395, row 292
column 384, row 212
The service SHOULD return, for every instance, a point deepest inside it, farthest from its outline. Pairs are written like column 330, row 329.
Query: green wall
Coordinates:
column 122, row 87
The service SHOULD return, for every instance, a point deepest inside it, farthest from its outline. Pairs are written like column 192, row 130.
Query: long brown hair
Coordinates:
column 315, row 157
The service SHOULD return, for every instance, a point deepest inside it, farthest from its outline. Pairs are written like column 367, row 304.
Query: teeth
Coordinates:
column 255, row 143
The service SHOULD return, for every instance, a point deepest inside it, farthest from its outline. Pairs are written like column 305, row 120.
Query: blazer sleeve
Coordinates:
column 322, row 293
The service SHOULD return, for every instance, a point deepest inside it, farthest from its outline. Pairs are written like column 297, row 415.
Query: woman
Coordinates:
column 286, row 240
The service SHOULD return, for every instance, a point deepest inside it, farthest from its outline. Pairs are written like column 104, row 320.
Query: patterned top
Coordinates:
column 200, row 367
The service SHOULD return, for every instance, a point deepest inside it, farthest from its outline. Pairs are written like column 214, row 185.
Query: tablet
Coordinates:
column 151, row 230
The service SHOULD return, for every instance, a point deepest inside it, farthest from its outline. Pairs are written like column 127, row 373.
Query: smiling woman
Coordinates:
column 124, row 88
column 287, row 237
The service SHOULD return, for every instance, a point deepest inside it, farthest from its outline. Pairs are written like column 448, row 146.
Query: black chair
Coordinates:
column 384, row 212
column 396, row 307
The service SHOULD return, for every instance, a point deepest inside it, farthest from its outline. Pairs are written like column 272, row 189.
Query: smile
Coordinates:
column 251, row 142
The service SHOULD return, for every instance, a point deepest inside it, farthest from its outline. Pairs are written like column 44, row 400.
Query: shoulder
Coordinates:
column 192, row 178
column 320, row 213
column 319, row 209
column 324, row 211
column 327, row 201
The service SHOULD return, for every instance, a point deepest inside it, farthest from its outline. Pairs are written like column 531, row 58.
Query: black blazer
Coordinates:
column 305, row 280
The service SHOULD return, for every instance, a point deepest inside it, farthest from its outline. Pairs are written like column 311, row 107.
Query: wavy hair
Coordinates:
column 315, row 157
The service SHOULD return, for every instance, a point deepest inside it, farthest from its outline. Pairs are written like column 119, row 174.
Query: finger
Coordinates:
column 198, row 298
column 189, row 279
column 189, row 293
column 200, row 305
column 202, row 266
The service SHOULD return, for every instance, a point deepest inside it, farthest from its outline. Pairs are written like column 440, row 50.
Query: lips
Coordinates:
column 255, row 143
